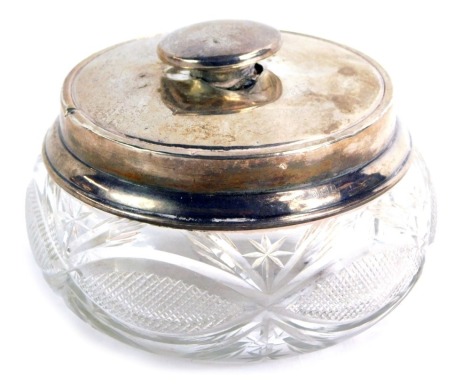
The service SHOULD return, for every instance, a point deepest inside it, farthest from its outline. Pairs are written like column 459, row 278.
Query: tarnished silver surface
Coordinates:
column 328, row 143
column 227, row 211
column 215, row 69
column 184, row 93
column 330, row 92
column 219, row 44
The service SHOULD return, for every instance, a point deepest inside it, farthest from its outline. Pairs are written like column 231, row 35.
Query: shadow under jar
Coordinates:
column 217, row 195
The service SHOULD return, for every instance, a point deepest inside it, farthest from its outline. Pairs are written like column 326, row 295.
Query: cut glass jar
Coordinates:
column 230, row 198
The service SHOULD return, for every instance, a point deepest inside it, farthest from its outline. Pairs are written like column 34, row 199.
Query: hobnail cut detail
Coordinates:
column 233, row 295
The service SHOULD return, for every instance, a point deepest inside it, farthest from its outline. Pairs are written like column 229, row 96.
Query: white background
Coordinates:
column 424, row 343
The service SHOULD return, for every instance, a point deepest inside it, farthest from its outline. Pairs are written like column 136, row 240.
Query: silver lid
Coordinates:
column 205, row 137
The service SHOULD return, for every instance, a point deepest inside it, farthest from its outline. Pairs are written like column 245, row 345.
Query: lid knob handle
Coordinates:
column 214, row 60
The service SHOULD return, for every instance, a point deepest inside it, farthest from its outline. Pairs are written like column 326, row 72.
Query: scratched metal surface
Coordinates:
column 327, row 90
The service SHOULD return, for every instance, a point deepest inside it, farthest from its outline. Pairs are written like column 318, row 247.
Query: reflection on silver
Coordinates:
column 228, row 211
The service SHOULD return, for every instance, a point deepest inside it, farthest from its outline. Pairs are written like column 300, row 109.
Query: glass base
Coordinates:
column 233, row 295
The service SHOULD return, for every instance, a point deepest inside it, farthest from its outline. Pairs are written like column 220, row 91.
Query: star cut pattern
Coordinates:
column 267, row 252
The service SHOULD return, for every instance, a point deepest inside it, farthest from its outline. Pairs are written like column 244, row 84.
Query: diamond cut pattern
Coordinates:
column 360, row 289
column 131, row 298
